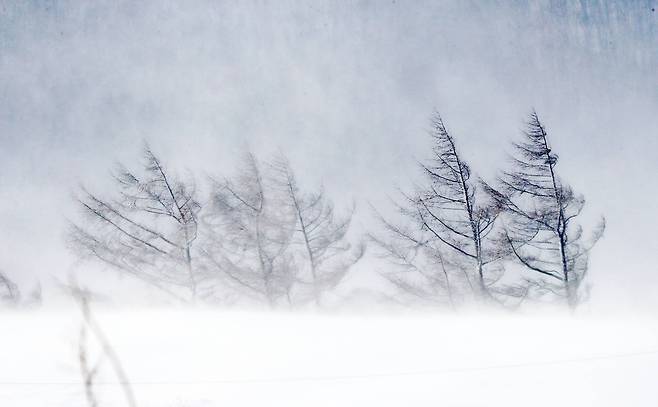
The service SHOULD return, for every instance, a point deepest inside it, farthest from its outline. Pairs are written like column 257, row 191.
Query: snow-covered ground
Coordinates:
column 182, row 358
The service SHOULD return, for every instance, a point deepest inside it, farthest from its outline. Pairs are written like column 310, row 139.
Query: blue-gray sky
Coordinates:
column 345, row 88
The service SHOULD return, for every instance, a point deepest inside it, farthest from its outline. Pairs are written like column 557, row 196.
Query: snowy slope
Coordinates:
column 216, row 358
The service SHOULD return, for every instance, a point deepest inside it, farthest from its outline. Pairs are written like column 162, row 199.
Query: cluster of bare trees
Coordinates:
column 458, row 236
column 275, row 240
column 259, row 235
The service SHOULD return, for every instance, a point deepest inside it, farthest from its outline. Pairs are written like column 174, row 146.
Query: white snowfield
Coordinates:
column 201, row 358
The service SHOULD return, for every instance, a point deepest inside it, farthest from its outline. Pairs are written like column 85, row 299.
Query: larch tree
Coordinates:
column 451, row 223
column 248, row 232
column 419, row 268
column 147, row 229
column 540, row 217
column 324, row 253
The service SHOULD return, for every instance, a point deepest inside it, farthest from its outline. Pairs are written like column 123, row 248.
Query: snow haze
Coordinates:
column 346, row 90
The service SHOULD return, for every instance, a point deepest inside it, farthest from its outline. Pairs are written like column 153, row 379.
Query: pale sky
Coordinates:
column 345, row 89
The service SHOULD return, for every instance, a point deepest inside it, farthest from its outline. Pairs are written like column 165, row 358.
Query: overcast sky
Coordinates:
column 344, row 88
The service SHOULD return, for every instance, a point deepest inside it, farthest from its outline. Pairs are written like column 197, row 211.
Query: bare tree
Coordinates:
column 451, row 219
column 541, row 210
column 327, row 253
column 9, row 292
column 419, row 268
column 249, row 229
column 147, row 229
column 88, row 370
